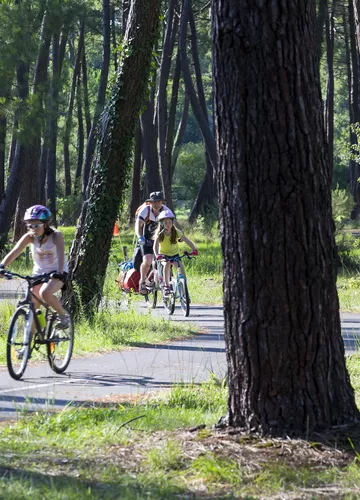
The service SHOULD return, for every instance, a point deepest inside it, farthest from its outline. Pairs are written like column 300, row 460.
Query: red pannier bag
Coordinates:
column 132, row 279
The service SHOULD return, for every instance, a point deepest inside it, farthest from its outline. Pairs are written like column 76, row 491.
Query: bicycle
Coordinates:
column 21, row 343
column 178, row 288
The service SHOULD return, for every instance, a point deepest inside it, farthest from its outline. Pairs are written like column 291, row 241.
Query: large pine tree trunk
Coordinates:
column 285, row 352
column 90, row 251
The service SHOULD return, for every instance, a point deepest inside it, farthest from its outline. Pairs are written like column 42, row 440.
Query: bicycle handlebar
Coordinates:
column 10, row 275
column 178, row 257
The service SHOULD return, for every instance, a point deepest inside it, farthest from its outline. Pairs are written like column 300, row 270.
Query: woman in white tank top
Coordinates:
column 48, row 252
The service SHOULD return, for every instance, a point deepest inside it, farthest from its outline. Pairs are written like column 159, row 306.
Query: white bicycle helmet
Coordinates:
column 166, row 214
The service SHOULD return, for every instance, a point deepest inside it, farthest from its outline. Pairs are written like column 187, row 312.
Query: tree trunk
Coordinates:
column 161, row 99
column 91, row 143
column 50, row 185
column 136, row 176
column 205, row 201
column 152, row 181
column 170, row 129
column 320, row 21
column 14, row 183
column 86, row 95
column 90, row 251
column 354, row 105
column 179, row 135
column 30, row 192
column 329, row 101
column 189, row 86
column 68, row 125
column 80, row 138
column 113, row 37
column 286, row 366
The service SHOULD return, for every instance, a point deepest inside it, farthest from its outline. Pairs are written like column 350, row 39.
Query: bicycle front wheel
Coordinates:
column 18, row 344
column 184, row 297
column 60, row 343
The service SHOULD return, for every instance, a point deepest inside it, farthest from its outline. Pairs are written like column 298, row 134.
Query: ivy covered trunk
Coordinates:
column 285, row 352
column 111, row 167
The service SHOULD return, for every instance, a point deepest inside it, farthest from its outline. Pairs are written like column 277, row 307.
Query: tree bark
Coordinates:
column 86, row 94
column 286, row 366
column 152, row 181
column 80, row 137
column 91, row 143
column 68, row 124
column 170, row 129
column 320, row 21
column 354, row 105
column 30, row 192
column 189, row 86
column 206, row 199
column 136, row 176
column 329, row 101
column 90, row 251
column 179, row 135
column 14, row 183
column 161, row 99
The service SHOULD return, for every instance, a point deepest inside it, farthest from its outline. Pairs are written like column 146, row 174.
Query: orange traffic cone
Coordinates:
column 116, row 229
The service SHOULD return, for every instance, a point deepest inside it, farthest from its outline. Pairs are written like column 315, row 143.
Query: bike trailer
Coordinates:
column 124, row 267
column 131, row 281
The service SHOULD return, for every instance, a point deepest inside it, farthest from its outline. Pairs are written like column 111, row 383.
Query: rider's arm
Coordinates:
column 23, row 242
column 139, row 223
column 177, row 224
column 156, row 247
column 188, row 242
column 60, row 249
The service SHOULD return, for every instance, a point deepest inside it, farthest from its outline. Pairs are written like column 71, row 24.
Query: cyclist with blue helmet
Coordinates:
column 48, row 252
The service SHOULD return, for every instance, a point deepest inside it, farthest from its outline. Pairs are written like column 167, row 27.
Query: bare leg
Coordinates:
column 47, row 291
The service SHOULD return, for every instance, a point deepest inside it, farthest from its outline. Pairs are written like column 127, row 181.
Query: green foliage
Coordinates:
column 68, row 209
column 342, row 203
column 189, row 173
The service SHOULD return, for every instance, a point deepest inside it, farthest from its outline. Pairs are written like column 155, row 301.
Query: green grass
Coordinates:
column 107, row 452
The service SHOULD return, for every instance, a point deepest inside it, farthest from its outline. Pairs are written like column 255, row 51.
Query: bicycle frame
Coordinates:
column 29, row 304
column 169, row 302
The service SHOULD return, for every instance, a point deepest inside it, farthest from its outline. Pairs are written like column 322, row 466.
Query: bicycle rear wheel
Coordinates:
column 18, row 344
column 184, row 297
column 60, row 343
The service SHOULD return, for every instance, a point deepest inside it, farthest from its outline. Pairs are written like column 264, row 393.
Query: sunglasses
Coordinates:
column 34, row 226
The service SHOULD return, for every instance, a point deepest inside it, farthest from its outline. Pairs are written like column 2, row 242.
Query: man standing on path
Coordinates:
column 145, row 227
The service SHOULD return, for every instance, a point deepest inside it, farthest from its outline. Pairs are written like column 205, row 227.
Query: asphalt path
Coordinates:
column 134, row 371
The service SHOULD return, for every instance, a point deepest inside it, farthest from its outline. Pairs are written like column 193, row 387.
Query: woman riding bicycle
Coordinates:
column 48, row 256
column 166, row 245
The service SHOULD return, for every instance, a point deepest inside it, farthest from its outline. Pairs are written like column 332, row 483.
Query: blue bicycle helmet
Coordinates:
column 37, row 212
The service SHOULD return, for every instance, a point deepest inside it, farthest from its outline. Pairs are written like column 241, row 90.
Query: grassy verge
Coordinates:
column 164, row 447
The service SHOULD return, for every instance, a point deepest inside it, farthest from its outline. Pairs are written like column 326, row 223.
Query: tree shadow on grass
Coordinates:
column 19, row 483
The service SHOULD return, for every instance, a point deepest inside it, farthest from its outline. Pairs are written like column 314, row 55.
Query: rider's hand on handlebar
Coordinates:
column 159, row 257
column 194, row 252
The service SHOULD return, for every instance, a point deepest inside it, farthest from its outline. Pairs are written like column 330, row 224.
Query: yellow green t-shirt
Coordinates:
column 167, row 248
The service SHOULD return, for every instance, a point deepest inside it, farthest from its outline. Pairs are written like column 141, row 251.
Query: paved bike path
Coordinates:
column 133, row 371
